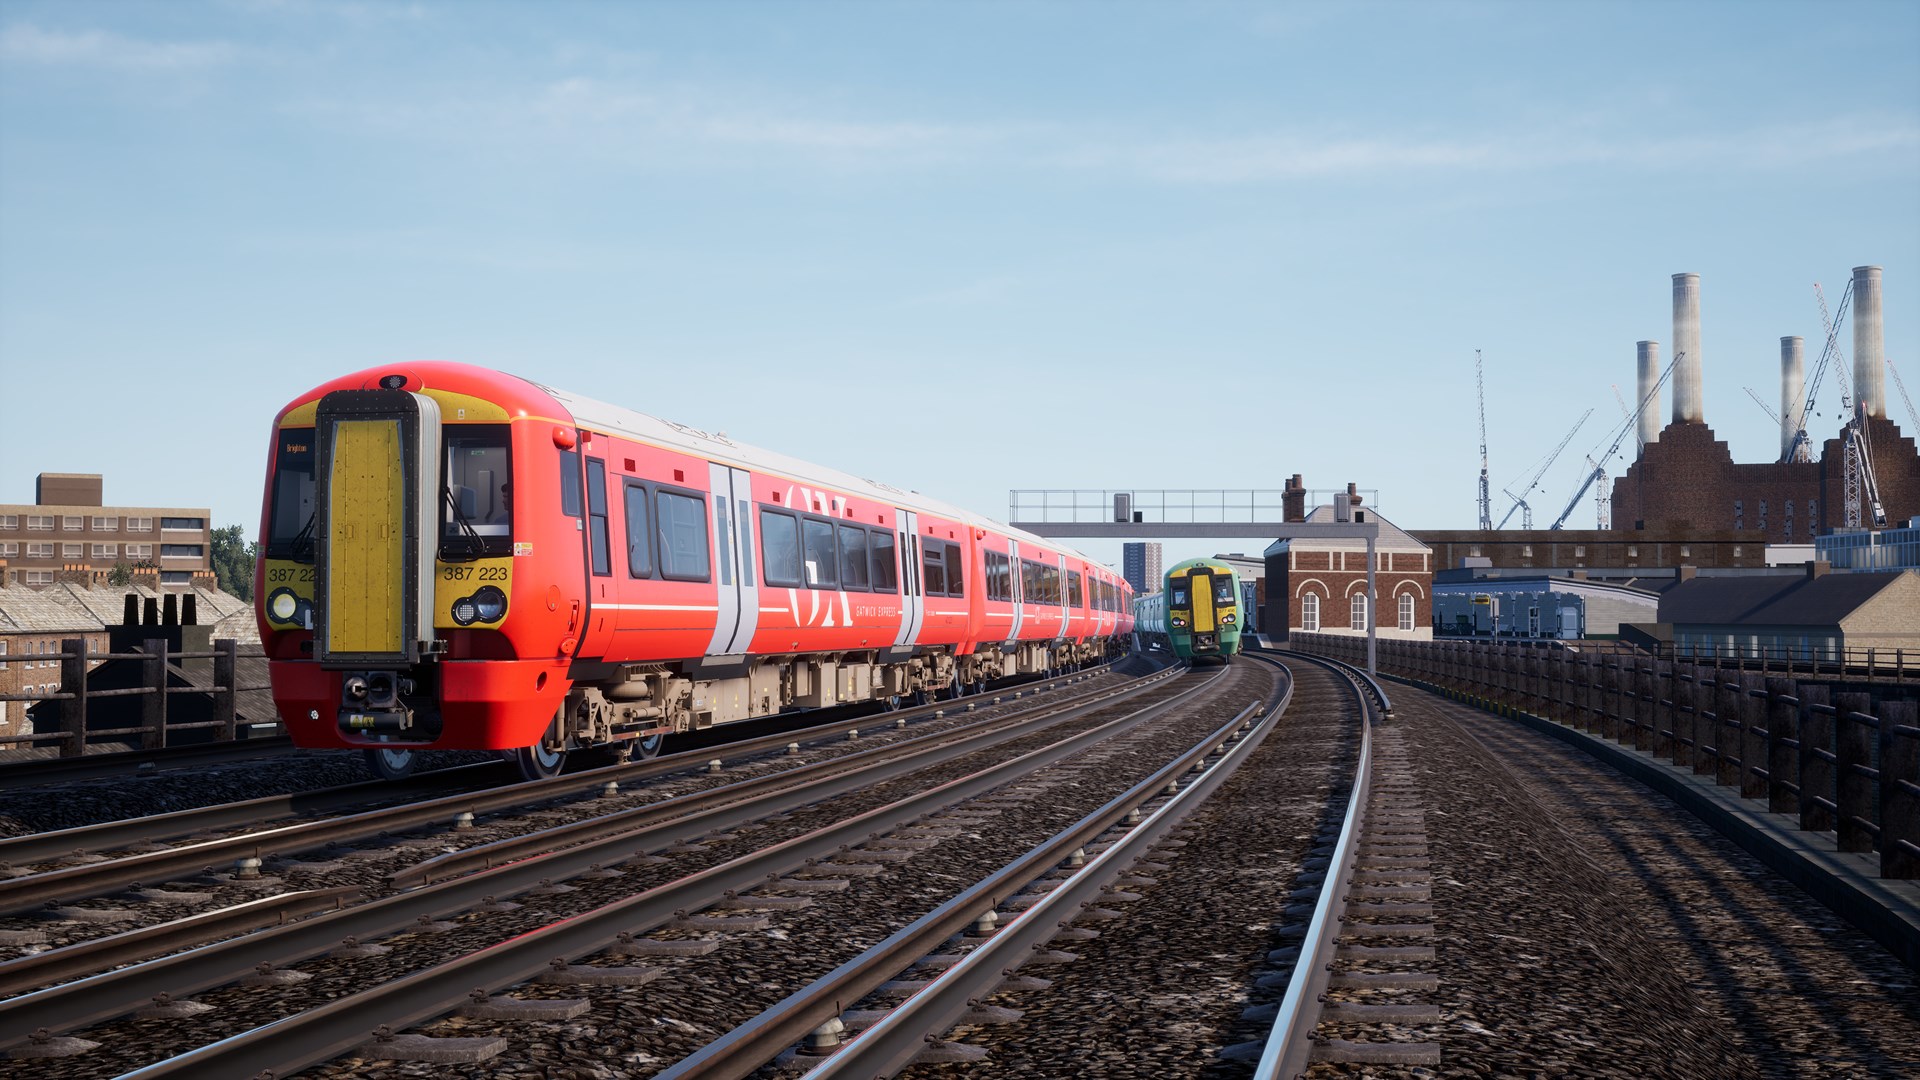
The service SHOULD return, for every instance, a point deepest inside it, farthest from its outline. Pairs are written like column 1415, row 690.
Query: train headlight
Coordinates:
column 490, row 604
column 465, row 611
column 1178, row 621
column 282, row 605
column 1227, row 618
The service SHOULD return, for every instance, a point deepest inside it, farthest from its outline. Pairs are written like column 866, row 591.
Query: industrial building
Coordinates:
column 1871, row 549
column 1814, row 615
column 1685, row 478
column 1563, row 608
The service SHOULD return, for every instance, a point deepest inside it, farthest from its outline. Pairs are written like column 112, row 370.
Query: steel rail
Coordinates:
column 115, row 835
column 890, row 1044
column 293, row 1043
column 1289, row 1045
column 31, row 891
column 41, row 969
column 111, row 994
column 32, row 772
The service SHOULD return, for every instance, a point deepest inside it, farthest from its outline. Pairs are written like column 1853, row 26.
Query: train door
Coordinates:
column 1014, row 586
column 1201, row 585
column 913, row 604
column 1066, row 612
column 739, row 596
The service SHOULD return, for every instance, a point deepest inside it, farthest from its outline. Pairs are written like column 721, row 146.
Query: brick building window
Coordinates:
column 9, row 549
column 1739, row 514
column 1406, row 612
column 139, row 524
column 1310, row 613
column 106, row 551
column 9, row 521
column 1763, row 515
column 1686, row 551
column 36, row 577
column 73, row 523
column 39, row 522
column 1358, row 608
column 180, row 551
column 39, row 551
column 105, row 524
column 73, row 551
column 183, row 523
column 139, row 551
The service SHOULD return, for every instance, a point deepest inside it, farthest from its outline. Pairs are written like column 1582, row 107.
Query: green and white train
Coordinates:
column 1196, row 613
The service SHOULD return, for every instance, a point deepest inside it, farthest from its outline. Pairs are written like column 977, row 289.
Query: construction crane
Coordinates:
column 1764, row 407
column 1801, row 448
column 1602, row 506
column 1620, row 399
column 1897, row 381
column 1533, row 482
column 1598, row 474
column 1862, row 504
column 1480, row 385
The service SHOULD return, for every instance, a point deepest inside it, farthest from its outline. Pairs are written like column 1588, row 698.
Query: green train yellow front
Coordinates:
column 388, row 599
column 1203, row 609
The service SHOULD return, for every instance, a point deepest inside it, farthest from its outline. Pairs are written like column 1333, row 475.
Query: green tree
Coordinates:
column 121, row 575
column 233, row 558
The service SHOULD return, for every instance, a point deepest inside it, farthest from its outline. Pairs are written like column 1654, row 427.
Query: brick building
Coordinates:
column 1320, row 586
column 1688, row 479
column 68, row 534
column 1591, row 549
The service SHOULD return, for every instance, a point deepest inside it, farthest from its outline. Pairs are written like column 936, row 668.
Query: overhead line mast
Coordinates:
column 1486, row 498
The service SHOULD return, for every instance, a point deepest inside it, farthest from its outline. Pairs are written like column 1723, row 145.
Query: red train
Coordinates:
column 456, row 558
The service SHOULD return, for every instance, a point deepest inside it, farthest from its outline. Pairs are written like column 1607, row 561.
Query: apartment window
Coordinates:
column 9, row 549
column 9, row 521
column 72, row 551
column 181, row 551
column 37, row 577
column 39, row 551
column 680, row 524
column 106, row 551
column 1310, row 613
column 39, row 522
column 73, row 523
column 1358, row 612
column 176, row 577
column 1579, row 551
column 139, row 524
column 105, row 524
column 1406, row 612
column 183, row 523
column 139, row 551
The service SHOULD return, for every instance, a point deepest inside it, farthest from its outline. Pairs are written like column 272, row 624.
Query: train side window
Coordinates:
column 1073, row 588
column 780, row 548
column 639, row 533
column 570, row 483
column 682, row 525
column 817, row 553
column 956, row 572
column 723, row 535
column 746, row 544
column 934, row 569
column 597, row 516
column 853, row 557
column 885, row 570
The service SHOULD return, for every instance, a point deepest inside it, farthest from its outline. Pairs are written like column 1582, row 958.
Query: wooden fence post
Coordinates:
column 1854, row 747
column 1899, row 805
column 1783, row 746
column 73, row 712
column 1729, row 712
column 226, row 655
column 153, row 711
column 1816, row 770
column 1753, row 744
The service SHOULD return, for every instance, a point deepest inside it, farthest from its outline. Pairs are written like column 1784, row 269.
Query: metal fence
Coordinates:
column 1837, row 760
column 1071, row 506
column 79, row 666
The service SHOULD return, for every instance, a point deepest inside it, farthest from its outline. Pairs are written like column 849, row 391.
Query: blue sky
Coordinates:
column 961, row 248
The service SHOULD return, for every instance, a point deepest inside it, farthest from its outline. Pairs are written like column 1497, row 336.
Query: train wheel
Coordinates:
column 545, row 758
column 649, row 747
column 391, row 764
column 890, row 704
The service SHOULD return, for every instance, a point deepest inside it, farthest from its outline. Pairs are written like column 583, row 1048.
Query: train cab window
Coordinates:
column 1222, row 591
column 1073, row 588
column 934, row 563
column 597, row 517
column 853, row 557
column 570, row 483
column 681, row 523
column 779, row 548
column 639, row 533
column 476, row 510
column 1178, row 597
column 885, row 570
column 290, row 521
column 817, row 553
column 956, row 572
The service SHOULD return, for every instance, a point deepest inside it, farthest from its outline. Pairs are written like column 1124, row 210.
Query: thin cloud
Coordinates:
column 27, row 44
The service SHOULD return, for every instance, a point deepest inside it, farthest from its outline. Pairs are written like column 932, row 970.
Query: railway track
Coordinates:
column 587, row 849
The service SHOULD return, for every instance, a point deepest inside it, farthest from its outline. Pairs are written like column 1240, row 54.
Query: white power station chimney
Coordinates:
column 1649, row 399
column 1793, row 377
column 1869, row 363
column 1687, row 387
